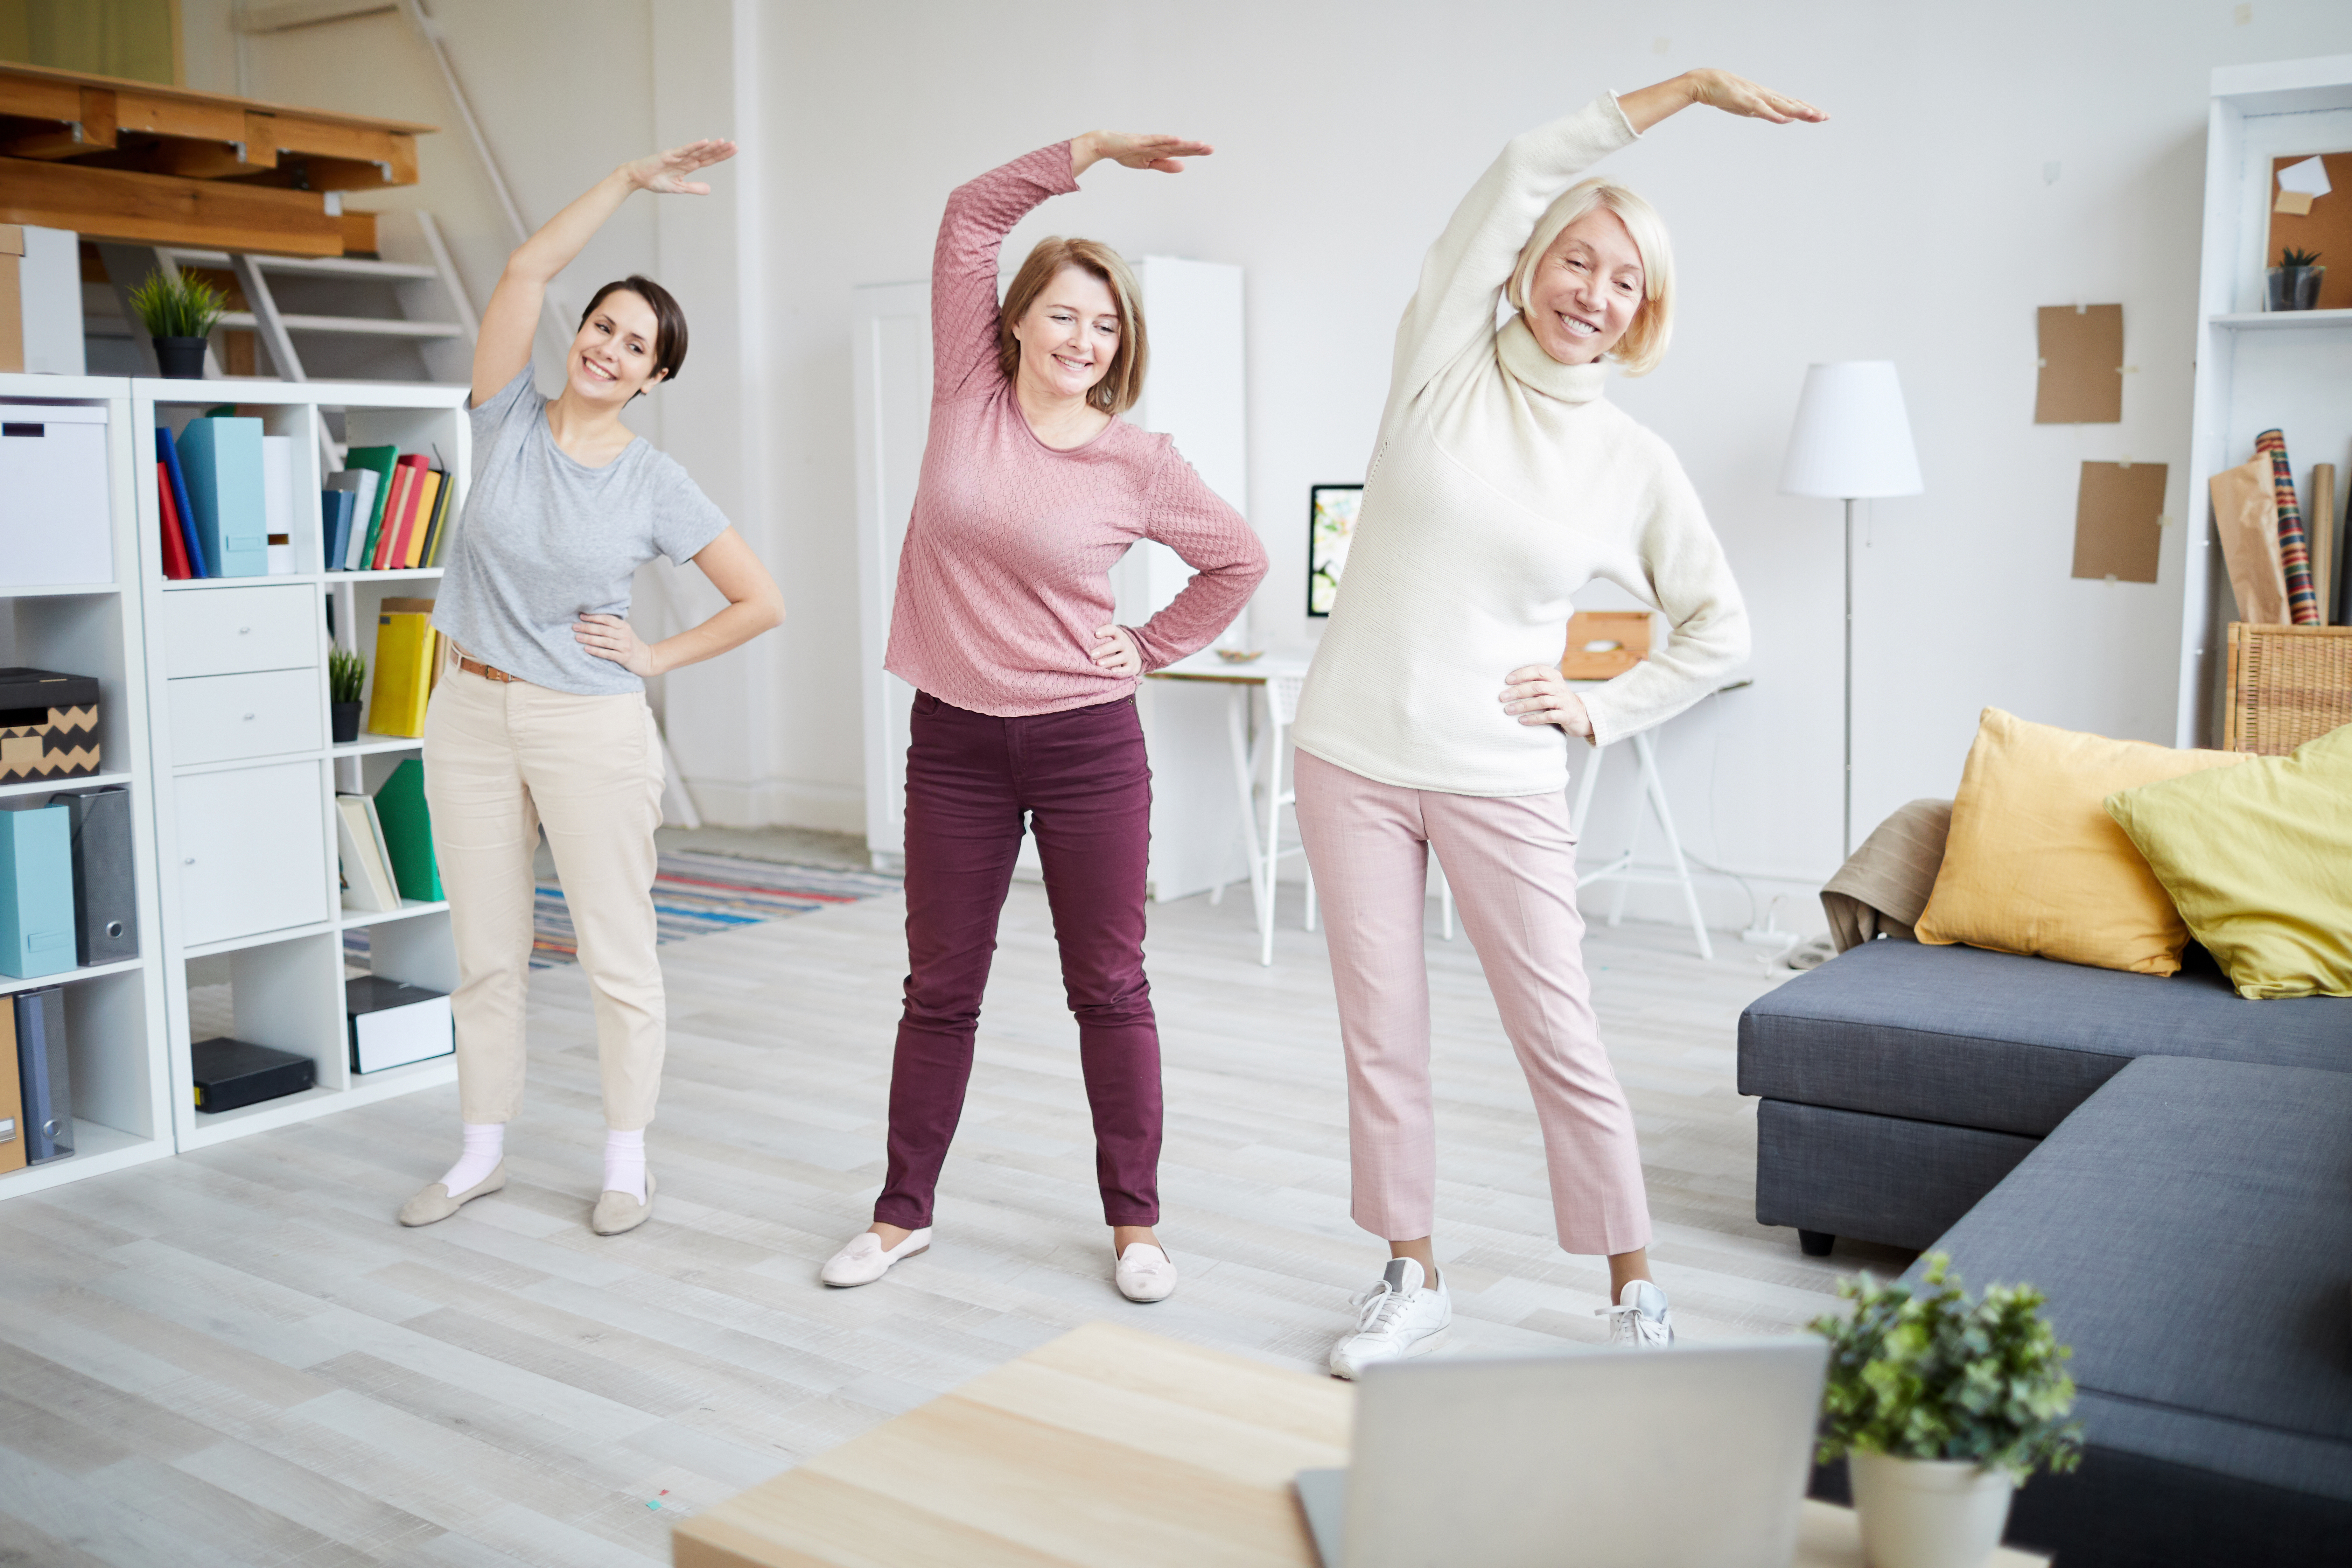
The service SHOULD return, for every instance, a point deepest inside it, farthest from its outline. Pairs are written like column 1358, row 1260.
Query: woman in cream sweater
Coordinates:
column 1436, row 716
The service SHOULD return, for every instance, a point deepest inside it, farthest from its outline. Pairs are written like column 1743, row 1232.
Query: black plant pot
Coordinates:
column 346, row 719
column 2294, row 288
column 181, row 359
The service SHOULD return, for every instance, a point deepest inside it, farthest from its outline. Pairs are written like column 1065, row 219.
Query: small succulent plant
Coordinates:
column 346, row 674
column 2290, row 256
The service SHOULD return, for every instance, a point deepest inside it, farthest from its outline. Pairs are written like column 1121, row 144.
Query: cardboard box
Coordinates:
column 12, row 296
column 40, row 301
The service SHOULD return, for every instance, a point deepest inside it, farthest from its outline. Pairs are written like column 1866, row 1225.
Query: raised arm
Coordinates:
column 1465, row 270
column 981, row 212
column 502, row 347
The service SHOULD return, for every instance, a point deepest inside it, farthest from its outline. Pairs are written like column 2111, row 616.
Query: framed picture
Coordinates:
column 1330, row 527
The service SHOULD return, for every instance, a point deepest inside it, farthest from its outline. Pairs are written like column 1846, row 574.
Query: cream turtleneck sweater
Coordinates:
column 1502, row 483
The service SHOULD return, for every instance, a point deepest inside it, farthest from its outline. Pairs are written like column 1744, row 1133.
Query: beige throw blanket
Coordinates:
column 1883, row 887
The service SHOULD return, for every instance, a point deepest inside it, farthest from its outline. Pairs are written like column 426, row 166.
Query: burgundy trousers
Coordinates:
column 1082, row 780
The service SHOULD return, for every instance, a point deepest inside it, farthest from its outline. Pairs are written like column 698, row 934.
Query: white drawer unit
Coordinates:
column 220, row 718
column 252, row 847
column 226, row 631
column 55, row 526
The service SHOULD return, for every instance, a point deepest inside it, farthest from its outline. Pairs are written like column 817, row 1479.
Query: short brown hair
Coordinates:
column 669, row 321
column 1123, row 383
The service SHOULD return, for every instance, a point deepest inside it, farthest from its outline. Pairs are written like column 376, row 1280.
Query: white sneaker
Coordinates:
column 866, row 1260
column 1145, row 1273
column 1640, row 1320
column 1400, row 1317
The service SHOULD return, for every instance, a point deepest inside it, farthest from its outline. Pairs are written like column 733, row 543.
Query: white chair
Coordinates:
column 1263, row 802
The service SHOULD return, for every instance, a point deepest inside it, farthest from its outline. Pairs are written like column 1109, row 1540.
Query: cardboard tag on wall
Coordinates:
column 2082, row 368
column 2119, row 521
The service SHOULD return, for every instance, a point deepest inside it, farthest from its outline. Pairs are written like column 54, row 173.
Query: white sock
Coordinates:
column 486, row 1145
column 624, row 1163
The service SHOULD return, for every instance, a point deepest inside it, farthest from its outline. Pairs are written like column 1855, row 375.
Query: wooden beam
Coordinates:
column 323, row 138
column 18, row 81
column 91, row 131
column 358, row 233
column 160, row 115
column 38, row 98
column 158, row 209
column 209, row 160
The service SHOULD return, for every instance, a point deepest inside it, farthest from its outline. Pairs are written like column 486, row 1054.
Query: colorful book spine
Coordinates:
column 168, row 453
column 2294, row 546
column 175, row 546
column 379, row 461
column 404, row 674
column 439, row 530
column 428, row 501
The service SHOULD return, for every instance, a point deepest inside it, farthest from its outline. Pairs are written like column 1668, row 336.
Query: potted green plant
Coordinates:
column 346, row 675
column 1943, row 1406
column 179, row 313
column 2294, row 281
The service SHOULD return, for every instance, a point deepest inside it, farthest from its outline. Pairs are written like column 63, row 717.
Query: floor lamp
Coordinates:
column 1852, row 442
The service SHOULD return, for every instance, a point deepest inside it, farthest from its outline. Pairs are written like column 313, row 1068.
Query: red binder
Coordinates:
column 175, row 548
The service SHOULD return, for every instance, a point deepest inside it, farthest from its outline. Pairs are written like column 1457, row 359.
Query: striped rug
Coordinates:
column 694, row 895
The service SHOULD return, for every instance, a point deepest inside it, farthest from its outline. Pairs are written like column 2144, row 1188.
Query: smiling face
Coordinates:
column 612, row 357
column 1586, row 291
column 1069, row 335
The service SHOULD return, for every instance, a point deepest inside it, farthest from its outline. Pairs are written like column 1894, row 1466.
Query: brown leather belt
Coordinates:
column 475, row 667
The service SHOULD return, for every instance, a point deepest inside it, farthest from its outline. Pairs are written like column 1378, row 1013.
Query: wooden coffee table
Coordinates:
column 1106, row 1447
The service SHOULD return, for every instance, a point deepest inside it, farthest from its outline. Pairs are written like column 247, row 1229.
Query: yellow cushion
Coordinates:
column 2259, row 861
column 2034, row 864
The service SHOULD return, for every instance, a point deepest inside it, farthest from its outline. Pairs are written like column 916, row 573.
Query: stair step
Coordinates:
column 354, row 326
column 310, row 266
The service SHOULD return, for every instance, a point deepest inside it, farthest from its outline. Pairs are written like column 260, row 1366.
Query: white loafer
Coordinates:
column 866, row 1260
column 438, row 1203
column 1145, row 1273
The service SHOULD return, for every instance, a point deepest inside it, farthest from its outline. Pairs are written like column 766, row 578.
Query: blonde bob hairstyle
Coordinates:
column 1644, row 342
column 1123, row 383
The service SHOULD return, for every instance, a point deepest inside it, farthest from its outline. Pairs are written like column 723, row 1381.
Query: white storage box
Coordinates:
column 55, row 526
column 393, row 1024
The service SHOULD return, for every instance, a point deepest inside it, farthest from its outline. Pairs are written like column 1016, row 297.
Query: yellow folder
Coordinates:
column 429, row 483
column 404, row 674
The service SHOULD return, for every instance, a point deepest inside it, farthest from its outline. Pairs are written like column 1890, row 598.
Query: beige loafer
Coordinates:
column 1144, row 1273
column 618, row 1212
column 866, row 1260
column 435, row 1203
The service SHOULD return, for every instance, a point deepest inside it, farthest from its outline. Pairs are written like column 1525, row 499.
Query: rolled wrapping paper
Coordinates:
column 2294, row 546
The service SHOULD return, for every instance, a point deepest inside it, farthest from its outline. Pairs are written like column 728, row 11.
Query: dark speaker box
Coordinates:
column 44, row 1075
column 229, row 1073
column 106, row 919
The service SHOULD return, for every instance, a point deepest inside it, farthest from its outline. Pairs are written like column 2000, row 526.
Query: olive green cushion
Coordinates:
column 2258, row 860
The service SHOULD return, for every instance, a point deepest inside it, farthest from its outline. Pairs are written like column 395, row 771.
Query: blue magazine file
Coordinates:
column 168, row 453
column 221, row 457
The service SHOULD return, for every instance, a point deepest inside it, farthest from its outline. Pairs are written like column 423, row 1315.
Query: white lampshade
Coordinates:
column 1851, row 439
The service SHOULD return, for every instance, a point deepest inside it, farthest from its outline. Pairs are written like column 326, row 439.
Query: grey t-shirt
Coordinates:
column 546, row 539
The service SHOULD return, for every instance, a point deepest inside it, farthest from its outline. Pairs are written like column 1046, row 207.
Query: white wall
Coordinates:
column 1917, row 226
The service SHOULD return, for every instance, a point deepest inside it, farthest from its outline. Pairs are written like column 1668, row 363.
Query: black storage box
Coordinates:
column 229, row 1073
column 48, row 725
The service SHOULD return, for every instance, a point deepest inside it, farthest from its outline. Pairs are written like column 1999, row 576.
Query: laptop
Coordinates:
column 1696, row 1455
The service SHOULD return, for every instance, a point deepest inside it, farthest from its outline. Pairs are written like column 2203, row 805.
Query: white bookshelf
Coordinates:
column 245, row 828
column 2256, row 369
column 114, row 1012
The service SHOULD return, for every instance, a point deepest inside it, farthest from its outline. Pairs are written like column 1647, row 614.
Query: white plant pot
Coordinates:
column 1928, row 1513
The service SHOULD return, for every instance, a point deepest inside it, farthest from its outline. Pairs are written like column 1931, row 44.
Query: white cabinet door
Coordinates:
column 54, row 527
column 219, row 717
column 224, row 631
column 252, row 847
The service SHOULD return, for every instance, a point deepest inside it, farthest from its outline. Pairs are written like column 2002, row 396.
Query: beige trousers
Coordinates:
column 503, row 759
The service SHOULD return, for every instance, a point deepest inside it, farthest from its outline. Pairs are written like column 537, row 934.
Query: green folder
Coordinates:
column 408, row 833
column 380, row 459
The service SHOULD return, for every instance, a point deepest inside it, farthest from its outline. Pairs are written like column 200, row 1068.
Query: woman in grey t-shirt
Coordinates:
column 539, row 718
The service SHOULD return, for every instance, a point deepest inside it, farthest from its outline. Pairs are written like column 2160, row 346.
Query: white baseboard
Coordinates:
column 779, row 803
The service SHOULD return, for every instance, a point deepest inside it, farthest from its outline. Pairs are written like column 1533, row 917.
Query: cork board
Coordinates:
column 2081, row 377
column 2325, row 229
column 2119, row 521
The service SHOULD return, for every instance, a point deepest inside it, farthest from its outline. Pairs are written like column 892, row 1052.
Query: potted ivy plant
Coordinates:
column 346, row 675
column 2294, row 281
column 179, row 314
column 1943, row 1406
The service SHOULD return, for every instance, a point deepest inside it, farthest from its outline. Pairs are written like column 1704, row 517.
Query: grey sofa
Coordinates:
column 1901, row 1082
column 2171, row 1164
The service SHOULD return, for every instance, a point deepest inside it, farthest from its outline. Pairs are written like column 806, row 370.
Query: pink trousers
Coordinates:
column 1512, row 865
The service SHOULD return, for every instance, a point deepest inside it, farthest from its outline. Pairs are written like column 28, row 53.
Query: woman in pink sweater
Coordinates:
column 1033, row 489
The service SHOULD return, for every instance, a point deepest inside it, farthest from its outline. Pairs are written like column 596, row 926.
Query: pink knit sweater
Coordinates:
column 1005, row 572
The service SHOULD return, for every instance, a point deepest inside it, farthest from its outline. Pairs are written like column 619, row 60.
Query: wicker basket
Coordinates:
column 2287, row 685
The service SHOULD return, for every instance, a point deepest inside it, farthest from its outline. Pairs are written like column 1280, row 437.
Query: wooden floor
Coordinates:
column 236, row 1357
